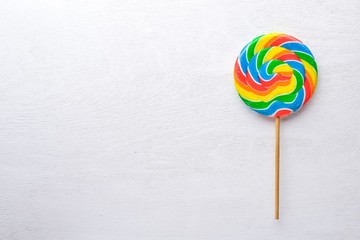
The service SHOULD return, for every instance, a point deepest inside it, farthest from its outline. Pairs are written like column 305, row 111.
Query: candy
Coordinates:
column 275, row 74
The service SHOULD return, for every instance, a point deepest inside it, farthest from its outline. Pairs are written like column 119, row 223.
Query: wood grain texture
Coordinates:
column 119, row 120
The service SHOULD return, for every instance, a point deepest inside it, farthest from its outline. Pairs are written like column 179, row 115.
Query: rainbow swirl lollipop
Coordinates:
column 275, row 74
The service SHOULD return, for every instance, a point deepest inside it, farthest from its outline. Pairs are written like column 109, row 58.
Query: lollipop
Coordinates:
column 275, row 75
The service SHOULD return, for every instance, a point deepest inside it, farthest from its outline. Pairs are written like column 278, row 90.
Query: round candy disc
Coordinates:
column 275, row 74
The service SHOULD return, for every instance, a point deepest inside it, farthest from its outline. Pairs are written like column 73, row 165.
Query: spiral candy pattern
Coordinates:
column 275, row 74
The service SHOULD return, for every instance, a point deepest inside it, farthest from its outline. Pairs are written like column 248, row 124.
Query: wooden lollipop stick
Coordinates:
column 277, row 165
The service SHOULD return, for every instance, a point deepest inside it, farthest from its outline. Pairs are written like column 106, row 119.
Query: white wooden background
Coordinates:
column 119, row 120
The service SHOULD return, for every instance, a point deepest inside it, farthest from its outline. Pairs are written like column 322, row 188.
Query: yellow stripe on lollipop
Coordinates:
column 283, row 69
column 275, row 52
column 264, row 40
column 310, row 69
column 279, row 91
